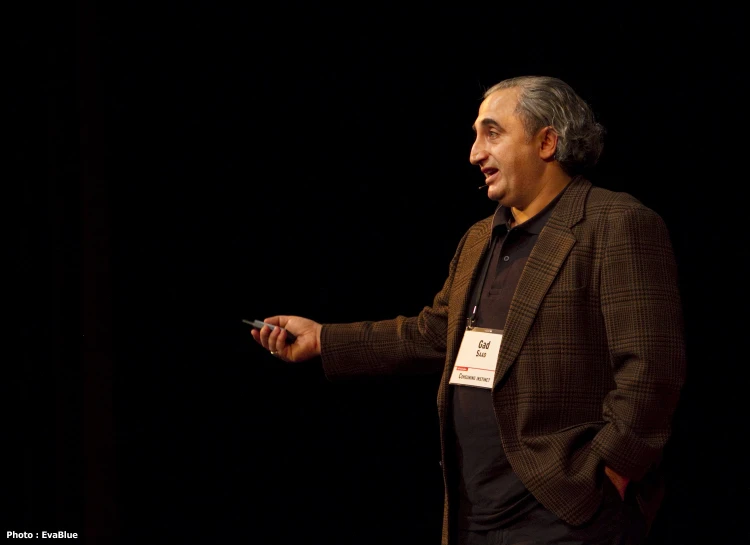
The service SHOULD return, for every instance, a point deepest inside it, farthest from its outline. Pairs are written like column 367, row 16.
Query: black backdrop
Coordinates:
column 207, row 162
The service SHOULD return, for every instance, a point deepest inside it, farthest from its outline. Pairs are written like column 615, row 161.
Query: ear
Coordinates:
column 547, row 139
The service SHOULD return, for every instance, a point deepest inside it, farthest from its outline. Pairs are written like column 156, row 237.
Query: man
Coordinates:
column 570, row 293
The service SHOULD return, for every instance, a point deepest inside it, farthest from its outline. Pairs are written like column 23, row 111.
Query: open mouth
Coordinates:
column 489, row 174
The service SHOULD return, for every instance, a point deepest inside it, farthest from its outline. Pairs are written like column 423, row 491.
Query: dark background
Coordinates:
column 190, row 164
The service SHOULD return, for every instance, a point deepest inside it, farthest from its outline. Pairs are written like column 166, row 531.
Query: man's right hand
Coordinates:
column 306, row 346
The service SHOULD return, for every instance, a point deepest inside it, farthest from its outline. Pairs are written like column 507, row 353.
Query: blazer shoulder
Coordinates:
column 619, row 214
column 479, row 228
column 608, row 202
column 482, row 224
column 475, row 235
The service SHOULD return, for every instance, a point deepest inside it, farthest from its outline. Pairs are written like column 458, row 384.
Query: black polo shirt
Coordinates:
column 490, row 494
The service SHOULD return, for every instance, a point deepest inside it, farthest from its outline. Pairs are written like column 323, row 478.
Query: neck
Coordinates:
column 549, row 188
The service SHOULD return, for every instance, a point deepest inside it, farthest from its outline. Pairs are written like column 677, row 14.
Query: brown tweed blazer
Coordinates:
column 592, row 359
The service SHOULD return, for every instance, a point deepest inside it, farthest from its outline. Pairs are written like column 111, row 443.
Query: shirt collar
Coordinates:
column 532, row 225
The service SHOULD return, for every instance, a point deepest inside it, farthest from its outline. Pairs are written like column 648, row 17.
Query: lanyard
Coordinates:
column 482, row 278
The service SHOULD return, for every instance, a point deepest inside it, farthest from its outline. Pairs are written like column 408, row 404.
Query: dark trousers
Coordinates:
column 617, row 522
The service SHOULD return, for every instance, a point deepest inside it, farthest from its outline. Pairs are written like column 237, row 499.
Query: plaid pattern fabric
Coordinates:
column 592, row 359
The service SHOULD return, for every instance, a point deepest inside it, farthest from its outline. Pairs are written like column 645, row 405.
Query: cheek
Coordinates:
column 523, row 162
column 500, row 155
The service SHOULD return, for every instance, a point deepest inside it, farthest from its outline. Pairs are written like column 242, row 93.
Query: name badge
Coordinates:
column 477, row 358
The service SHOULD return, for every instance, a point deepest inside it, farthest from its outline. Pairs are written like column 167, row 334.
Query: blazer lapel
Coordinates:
column 467, row 272
column 549, row 253
column 465, row 276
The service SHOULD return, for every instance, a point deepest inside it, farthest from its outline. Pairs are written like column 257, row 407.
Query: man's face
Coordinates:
column 509, row 159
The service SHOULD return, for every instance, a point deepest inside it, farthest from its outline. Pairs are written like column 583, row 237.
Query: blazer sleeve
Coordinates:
column 401, row 345
column 643, row 319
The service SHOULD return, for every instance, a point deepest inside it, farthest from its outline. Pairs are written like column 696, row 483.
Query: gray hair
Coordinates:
column 549, row 102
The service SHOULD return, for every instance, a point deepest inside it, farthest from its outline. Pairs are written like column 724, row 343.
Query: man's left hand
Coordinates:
column 620, row 482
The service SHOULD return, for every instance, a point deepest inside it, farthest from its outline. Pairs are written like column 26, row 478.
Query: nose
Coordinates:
column 477, row 155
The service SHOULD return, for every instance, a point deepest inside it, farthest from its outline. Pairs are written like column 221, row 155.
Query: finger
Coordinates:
column 264, row 334
column 282, row 320
column 280, row 347
column 272, row 339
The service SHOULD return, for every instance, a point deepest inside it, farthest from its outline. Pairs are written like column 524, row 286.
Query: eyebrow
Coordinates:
column 487, row 122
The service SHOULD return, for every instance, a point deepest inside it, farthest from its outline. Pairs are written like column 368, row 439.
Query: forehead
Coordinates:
column 500, row 104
